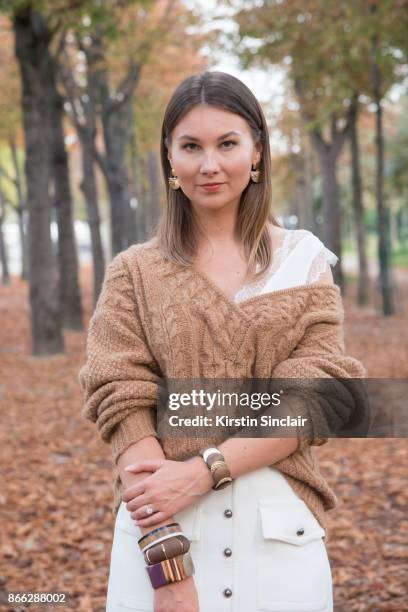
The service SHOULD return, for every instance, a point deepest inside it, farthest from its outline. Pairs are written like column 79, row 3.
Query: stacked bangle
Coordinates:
column 158, row 535
column 216, row 464
column 175, row 545
column 166, row 551
column 171, row 570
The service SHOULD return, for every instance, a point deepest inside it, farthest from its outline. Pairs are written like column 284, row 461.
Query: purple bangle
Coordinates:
column 170, row 570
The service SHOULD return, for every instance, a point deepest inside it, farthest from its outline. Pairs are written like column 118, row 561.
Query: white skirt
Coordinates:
column 255, row 546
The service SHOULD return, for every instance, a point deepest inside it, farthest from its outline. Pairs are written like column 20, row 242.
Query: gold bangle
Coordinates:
column 217, row 464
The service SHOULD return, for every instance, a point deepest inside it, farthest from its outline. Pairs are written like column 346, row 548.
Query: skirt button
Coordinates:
column 227, row 592
column 227, row 552
column 228, row 513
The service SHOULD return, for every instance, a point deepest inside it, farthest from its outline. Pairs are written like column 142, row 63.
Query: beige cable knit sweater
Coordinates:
column 155, row 318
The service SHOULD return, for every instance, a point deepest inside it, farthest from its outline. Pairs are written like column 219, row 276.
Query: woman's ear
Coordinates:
column 257, row 158
column 258, row 153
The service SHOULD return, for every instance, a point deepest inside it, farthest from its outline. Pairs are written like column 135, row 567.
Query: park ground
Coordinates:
column 55, row 501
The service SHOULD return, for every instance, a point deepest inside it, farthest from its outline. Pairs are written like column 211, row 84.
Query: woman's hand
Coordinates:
column 172, row 486
column 177, row 597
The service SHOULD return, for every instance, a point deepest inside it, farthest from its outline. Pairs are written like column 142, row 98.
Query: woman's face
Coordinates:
column 212, row 151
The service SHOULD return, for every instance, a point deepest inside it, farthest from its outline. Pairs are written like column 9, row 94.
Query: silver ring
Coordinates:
column 149, row 510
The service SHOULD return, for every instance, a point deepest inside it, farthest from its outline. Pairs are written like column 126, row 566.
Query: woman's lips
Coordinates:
column 212, row 186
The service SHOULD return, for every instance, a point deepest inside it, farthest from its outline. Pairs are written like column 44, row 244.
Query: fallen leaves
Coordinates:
column 55, row 501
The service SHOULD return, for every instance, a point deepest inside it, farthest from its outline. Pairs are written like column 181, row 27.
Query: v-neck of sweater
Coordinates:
column 242, row 304
column 242, row 308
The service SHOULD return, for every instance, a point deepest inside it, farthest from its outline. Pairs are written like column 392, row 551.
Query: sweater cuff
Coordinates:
column 298, row 405
column 306, row 442
column 137, row 425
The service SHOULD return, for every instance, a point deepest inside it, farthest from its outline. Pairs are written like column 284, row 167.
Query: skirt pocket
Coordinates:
column 293, row 570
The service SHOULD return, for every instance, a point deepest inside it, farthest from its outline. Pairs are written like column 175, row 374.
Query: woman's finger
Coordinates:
column 138, row 502
column 140, row 512
column 155, row 518
column 146, row 465
column 134, row 490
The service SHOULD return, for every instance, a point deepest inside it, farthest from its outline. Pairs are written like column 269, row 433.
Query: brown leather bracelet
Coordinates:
column 159, row 532
column 167, row 549
column 220, row 472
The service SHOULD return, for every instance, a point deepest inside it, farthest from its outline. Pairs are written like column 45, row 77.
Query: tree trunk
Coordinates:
column 141, row 212
column 304, row 200
column 70, row 294
column 90, row 191
column 116, row 116
column 153, row 209
column 115, row 122
column 363, row 279
column 32, row 39
column 299, row 189
column 384, row 247
column 308, row 212
column 328, row 155
column 137, row 187
column 85, row 125
column 21, row 209
column 5, row 273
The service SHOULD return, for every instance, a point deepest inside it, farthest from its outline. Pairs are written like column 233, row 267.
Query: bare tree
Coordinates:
column 70, row 296
column 357, row 200
column 81, row 109
column 32, row 39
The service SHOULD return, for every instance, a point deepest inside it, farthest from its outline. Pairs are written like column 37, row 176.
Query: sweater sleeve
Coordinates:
column 120, row 375
column 338, row 399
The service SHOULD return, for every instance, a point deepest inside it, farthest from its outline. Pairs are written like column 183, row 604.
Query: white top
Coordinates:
column 300, row 260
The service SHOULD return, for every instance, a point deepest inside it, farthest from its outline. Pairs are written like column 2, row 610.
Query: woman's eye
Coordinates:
column 189, row 144
column 227, row 144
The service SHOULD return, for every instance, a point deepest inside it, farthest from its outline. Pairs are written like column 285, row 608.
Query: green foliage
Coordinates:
column 325, row 45
column 79, row 15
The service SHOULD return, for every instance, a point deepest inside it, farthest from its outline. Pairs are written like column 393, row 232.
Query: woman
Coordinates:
column 221, row 291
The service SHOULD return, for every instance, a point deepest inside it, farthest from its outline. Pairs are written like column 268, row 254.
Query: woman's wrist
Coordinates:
column 145, row 530
column 202, row 474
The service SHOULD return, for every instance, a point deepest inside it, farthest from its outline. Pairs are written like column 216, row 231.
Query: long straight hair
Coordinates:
column 177, row 230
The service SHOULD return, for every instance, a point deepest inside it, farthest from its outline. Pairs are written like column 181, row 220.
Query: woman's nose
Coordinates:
column 209, row 164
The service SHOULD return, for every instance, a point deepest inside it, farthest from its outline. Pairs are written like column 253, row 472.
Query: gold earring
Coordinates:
column 173, row 181
column 255, row 174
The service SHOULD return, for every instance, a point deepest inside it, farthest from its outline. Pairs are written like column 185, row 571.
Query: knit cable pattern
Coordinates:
column 155, row 318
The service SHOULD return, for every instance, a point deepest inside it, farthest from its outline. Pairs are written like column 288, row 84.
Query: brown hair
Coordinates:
column 177, row 228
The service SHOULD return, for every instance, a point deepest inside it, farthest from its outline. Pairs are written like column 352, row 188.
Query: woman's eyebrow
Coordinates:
column 186, row 136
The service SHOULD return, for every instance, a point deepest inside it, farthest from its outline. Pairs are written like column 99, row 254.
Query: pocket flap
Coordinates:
column 289, row 521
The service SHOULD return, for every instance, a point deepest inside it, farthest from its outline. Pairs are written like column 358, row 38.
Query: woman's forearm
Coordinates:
column 244, row 455
column 146, row 448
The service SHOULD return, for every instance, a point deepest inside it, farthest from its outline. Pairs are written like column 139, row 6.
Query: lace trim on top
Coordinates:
column 252, row 289
column 289, row 242
column 320, row 264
